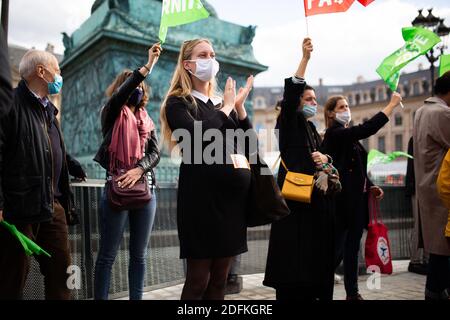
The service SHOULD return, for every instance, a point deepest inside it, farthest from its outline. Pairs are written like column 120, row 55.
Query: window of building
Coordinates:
column 398, row 119
column 365, row 97
column 388, row 93
column 416, row 88
column 350, row 99
column 406, row 89
column 380, row 94
column 398, row 142
column 426, row 86
column 372, row 95
column 382, row 144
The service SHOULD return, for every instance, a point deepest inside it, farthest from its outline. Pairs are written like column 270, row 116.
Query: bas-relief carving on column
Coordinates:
column 83, row 98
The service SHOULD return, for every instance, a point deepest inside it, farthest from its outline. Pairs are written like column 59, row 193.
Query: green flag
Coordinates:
column 377, row 157
column 445, row 64
column 393, row 81
column 178, row 12
column 418, row 41
column 28, row 245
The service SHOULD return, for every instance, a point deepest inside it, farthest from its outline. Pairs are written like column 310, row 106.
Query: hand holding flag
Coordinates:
column 153, row 55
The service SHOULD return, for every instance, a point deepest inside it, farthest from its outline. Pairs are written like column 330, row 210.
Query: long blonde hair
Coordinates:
column 181, row 86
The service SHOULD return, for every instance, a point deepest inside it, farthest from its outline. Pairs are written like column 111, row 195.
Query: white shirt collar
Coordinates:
column 215, row 100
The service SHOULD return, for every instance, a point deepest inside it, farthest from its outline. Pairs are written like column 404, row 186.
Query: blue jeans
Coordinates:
column 112, row 225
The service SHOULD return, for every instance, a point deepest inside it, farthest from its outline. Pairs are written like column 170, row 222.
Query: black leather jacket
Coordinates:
column 6, row 90
column 26, row 177
column 109, row 115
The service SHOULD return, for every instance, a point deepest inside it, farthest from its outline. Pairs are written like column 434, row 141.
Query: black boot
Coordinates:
column 444, row 295
column 234, row 284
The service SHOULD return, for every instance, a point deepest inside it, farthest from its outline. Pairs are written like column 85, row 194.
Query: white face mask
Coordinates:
column 344, row 117
column 206, row 69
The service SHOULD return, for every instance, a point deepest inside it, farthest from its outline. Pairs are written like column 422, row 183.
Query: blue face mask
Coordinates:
column 55, row 86
column 309, row 111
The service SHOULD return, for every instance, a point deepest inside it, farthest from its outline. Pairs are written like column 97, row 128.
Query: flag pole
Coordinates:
column 401, row 104
column 307, row 27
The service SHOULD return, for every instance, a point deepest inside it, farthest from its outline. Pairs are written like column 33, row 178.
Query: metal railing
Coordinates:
column 164, row 267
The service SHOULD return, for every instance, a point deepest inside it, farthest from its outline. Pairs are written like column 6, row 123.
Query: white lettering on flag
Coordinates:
column 178, row 6
column 420, row 40
column 166, row 7
column 328, row 2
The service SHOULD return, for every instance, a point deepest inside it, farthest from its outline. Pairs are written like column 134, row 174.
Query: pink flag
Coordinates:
column 365, row 3
column 313, row 7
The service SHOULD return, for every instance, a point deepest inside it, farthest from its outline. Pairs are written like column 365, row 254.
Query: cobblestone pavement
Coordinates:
column 401, row 285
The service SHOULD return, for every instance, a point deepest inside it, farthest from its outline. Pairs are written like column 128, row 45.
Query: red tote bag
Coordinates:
column 378, row 248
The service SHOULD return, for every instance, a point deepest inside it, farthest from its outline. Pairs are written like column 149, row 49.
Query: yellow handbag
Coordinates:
column 297, row 186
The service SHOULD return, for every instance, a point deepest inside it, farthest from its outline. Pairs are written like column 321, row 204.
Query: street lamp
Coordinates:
column 436, row 25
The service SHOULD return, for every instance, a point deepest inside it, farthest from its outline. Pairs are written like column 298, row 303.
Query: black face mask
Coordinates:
column 136, row 98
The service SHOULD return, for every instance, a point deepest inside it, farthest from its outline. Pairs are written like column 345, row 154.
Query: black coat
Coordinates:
column 301, row 246
column 26, row 193
column 410, row 178
column 350, row 158
column 111, row 112
column 5, row 77
column 212, row 195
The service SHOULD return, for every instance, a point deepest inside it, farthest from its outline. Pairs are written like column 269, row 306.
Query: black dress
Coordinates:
column 301, row 246
column 350, row 158
column 212, row 197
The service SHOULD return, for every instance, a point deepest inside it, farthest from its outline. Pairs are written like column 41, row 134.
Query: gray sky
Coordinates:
column 346, row 44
